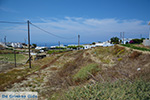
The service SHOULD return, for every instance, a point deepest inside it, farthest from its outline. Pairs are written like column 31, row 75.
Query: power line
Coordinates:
column 50, row 32
column 13, row 22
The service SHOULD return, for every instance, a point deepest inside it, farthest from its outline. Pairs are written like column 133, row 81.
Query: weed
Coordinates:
column 119, row 59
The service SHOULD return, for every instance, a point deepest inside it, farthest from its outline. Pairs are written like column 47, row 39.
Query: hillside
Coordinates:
column 82, row 74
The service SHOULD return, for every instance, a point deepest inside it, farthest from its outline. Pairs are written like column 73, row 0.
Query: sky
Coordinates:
column 93, row 20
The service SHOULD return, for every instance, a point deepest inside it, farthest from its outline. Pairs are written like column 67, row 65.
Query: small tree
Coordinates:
column 34, row 45
column 136, row 41
column 93, row 43
column 115, row 40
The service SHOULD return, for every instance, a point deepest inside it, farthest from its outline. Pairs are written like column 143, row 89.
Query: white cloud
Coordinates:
column 89, row 29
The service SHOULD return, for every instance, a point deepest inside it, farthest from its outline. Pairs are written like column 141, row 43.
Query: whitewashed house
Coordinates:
column 126, row 40
column 146, row 42
column 16, row 45
column 107, row 44
column 98, row 44
column 39, row 48
column 86, row 46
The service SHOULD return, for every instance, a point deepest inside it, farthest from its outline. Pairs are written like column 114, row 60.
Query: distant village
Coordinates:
column 146, row 42
column 39, row 52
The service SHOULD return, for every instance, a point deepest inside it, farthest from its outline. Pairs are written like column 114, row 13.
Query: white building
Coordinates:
column 3, row 44
column 39, row 48
column 16, row 45
column 98, row 44
column 107, row 44
column 86, row 46
column 146, row 42
column 104, row 44
column 53, row 47
column 126, row 40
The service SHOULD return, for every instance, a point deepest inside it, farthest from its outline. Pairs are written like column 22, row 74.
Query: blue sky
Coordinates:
column 94, row 20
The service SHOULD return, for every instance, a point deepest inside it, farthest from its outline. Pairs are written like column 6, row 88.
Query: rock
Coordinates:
column 18, row 77
column 138, row 69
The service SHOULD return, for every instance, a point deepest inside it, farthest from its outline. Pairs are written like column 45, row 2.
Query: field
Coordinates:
column 100, row 73
column 7, row 60
column 137, row 47
column 20, row 58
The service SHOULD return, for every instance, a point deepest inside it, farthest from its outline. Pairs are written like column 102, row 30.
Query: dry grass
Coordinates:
column 135, row 54
column 66, row 65
column 10, row 77
column 53, row 68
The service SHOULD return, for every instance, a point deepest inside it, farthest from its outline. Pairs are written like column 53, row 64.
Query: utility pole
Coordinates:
column 15, row 57
column 123, row 37
column 5, row 40
column 29, row 43
column 59, row 43
column 120, row 37
column 78, row 42
column 149, row 30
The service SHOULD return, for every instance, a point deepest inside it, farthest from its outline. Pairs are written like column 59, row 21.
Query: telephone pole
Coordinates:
column 59, row 43
column 120, row 37
column 149, row 30
column 15, row 57
column 123, row 37
column 29, row 43
column 5, row 40
column 78, row 42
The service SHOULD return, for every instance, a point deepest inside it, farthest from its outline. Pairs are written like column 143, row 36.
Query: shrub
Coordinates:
column 136, row 41
column 83, row 73
column 115, row 40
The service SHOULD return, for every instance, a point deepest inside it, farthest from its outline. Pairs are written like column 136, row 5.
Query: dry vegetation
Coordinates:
column 53, row 76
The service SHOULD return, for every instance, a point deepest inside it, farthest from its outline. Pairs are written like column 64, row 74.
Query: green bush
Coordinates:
column 115, row 40
column 135, row 47
column 119, row 90
column 55, row 51
column 75, row 47
column 83, row 73
column 137, row 41
column 60, row 47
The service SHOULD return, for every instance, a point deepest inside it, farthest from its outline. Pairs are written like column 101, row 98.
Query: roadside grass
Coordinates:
column 14, row 75
column 84, row 72
column 21, row 72
column 6, row 51
column 118, row 90
column 132, row 46
column 20, row 58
